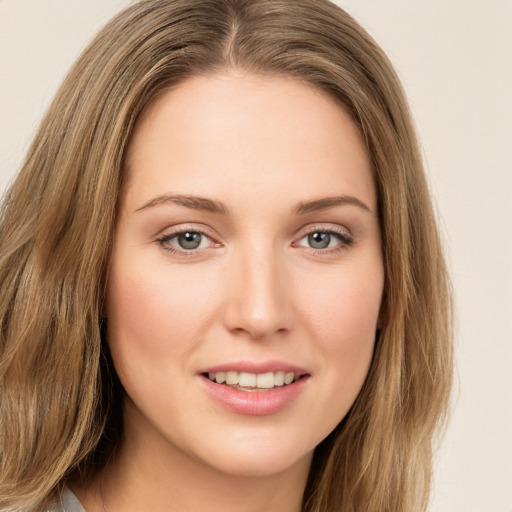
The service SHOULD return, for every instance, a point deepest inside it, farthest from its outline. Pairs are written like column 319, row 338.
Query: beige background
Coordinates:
column 455, row 59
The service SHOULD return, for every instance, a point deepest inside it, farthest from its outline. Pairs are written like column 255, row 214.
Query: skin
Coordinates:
column 255, row 290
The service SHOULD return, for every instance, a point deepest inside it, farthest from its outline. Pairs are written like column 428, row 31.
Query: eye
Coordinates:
column 320, row 240
column 325, row 239
column 185, row 241
column 189, row 240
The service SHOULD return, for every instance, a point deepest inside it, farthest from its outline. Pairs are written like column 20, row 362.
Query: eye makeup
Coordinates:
column 189, row 241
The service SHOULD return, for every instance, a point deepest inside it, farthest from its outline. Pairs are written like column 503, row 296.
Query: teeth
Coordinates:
column 279, row 379
column 288, row 378
column 247, row 380
column 252, row 380
column 231, row 377
column 220, row 377
column 265, row 380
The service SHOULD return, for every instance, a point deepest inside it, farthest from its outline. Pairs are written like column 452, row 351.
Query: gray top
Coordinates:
column 68, row 503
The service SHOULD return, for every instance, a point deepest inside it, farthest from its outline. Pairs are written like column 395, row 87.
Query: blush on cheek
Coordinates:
column 349, row 334
column 157, row 311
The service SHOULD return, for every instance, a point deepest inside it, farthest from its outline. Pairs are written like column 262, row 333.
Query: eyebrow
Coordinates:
column 194, row 202
column 212, row 206
column 329, row 202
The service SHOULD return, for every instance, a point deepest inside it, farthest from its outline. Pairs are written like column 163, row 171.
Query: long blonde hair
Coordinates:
column 59, row 397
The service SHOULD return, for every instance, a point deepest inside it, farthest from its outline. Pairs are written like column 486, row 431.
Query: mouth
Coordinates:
column 255, row 388
column 255, row 382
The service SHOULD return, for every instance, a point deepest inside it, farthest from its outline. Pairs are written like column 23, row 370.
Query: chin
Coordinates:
column 260, row 463
column 254, row 452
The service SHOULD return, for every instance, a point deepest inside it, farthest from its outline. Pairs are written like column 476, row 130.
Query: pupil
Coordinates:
column 319, row 240
column 189, row 240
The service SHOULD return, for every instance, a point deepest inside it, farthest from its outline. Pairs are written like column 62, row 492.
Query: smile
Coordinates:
column 246, row 381
column 254, row 389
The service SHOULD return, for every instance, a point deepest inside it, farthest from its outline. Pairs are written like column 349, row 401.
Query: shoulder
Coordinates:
column 68, row 502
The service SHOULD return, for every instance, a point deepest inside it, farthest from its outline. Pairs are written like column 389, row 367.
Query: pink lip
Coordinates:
column 254, row 403
column 251, row 367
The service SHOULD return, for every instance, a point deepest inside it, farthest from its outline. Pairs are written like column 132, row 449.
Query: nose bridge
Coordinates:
column 257, row 302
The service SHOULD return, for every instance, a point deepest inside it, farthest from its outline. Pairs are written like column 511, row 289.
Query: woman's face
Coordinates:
column 247, row 248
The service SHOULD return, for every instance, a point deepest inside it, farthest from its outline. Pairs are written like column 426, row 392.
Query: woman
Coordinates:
column 222, row 282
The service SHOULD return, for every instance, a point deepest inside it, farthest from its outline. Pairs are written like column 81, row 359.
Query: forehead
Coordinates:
column 209, row 133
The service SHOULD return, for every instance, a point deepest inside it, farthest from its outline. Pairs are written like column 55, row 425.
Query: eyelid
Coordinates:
column 325, row 228
column 342, row 233
column 345, row 237
column 184, row 227
column 173, row 231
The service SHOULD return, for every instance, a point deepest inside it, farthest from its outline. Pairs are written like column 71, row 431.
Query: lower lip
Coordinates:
column 254, row 403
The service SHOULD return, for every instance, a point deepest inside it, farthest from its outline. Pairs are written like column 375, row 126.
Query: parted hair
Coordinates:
column 60, row 400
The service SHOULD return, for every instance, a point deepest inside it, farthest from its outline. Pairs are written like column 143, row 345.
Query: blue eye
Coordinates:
column 185, row 241
column 319, row 240
column 189, row 240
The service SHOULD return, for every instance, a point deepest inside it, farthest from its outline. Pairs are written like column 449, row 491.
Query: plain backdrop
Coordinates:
column 455, row 60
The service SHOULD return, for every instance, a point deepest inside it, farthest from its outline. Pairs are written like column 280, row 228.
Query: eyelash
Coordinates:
column 345, row 239
column 163, row 240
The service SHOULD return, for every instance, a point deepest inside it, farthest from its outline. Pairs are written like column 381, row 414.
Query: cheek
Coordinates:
column 342, row 319
column 154, row 316
column 344, row 305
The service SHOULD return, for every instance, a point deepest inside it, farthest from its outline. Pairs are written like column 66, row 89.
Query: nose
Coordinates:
column 258, row 303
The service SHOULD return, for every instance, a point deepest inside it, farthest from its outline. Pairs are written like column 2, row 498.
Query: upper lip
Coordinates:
column 257, row 368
